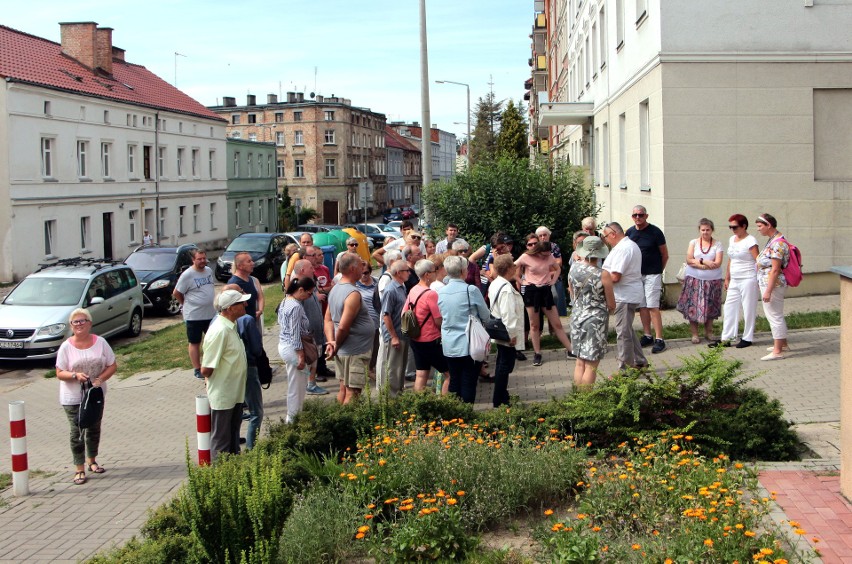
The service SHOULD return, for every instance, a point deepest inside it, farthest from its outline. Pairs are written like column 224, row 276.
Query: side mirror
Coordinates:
column 96, row 300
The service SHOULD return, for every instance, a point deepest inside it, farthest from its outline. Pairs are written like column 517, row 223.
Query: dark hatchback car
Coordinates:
column 397, row 214
column 158, row 270
column 266, row 250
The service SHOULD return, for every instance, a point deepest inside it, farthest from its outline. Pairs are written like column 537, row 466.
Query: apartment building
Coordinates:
column 704, row 109
column 330, row 154
column 252, row 201
column 95, row 149
column 404, row 175
column 443, row 148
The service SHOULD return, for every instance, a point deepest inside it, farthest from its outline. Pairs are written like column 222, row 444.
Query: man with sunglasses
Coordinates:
column 655, row 255
column 409, row 237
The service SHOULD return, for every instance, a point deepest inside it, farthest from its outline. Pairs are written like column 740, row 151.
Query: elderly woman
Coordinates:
column 741, row 284
column 294, row 328
column 507, row 304
column 701, row 298
column 539, row 271
column 456, row 302
column 83, row 358
column 426, row 347
column 773, row 285
column 472, row 275
column 594, row 300
column 589, row 225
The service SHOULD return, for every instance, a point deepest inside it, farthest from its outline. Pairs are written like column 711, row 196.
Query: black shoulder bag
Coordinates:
column 92, row 407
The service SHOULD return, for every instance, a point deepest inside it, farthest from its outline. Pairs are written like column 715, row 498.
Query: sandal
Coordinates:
column 696, row 339
column 80, row 478
column 96, row 468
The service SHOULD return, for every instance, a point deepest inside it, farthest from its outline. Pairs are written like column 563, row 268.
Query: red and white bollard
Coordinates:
column 20, row 466
column 202, row 428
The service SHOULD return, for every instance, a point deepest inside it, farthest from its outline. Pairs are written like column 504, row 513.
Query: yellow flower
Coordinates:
column 548, row 512
column 708, row 542
column 359, row 536
column 750, row 534
column 636, row 546
column 452, row 501
column 799, row 531
column 765, row 551
column 382, row 462
column 363, row 529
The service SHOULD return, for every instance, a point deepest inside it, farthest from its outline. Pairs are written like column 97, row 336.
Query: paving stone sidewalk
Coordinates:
column 150, row 420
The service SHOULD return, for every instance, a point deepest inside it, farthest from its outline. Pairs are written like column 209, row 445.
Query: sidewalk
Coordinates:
column 150, row 420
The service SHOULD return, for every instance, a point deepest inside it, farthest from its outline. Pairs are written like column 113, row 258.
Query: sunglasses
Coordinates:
column 416, row 237
column 638, row 215
column 351, row 244
column 733, row 227
column 531, row 244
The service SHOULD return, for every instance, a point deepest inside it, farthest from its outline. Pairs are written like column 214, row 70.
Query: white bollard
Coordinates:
column 202, row 428
column 18, row 432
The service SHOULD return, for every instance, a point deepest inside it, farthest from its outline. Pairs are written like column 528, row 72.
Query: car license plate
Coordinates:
column 11, row 344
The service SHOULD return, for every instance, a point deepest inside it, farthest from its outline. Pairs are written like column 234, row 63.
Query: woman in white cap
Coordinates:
column 593, row 302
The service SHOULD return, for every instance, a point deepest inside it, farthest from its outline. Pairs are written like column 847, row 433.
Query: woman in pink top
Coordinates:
column 84, row 357
column 427, row 349
column 538, row 271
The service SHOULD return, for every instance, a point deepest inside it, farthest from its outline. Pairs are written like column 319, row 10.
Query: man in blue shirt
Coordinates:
column 396, row 343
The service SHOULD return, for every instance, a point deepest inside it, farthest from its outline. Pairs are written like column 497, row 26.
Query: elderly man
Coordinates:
column 655, row 255
column 396, row 343
column 411, row 254
column 196, row 293
column 243, row 267
column 349, row 331
column 384, row 280
column 304, row 268
column 624, row 265
column 447, row 243
column 224, row 368
column 409, row 237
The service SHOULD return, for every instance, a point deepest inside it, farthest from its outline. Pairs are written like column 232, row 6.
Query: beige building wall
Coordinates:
column 6, row 242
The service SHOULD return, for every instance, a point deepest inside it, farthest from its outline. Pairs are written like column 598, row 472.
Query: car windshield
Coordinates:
column 395, row 210
column 144, row 261
column 250, row 244
column 388, row 229
column 47, row 292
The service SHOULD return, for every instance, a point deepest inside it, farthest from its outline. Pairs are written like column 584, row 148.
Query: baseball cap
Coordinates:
column 231, row 297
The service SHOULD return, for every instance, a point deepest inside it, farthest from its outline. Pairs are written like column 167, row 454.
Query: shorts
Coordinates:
column 429, row 355
column 195, row 330
column 538, row 297
column 352, row 370
column 653, row 287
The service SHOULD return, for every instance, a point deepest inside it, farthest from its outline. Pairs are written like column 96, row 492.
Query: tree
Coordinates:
column 514, row 196
column 483, row 146
column 512, row 140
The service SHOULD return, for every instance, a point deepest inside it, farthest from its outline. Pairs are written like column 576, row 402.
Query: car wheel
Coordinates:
column 173, row 307
column 268, row 275
column 135, row 326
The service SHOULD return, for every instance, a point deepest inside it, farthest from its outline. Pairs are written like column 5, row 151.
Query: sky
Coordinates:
column 365, row 50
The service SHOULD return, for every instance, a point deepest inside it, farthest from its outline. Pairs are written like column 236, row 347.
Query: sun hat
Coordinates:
column 593, row 247
column 231, row 297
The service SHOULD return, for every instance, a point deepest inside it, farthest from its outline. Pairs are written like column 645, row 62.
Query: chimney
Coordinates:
column 251, row 100
column 103, row 51
column 272, row 98
column 291, row 97
column 118, row 53
column 229, row 102
column 78, row 41
column 320, row 99
column 300, row 96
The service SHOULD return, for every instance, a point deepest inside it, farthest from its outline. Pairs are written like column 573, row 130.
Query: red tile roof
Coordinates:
column 417, row 131
column 34, row 60
column 397, row 141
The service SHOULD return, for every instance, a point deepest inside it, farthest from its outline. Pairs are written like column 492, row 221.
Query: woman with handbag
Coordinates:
column 701, row 298
column 83, row 360
column 508, row 306
column 295, row 343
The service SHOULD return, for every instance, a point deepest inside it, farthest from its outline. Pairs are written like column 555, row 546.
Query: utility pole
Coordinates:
column 425, row 115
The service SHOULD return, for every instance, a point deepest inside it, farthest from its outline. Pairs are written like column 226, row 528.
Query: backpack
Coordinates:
column 793, row 269
column 409, row 324
column 264, row 370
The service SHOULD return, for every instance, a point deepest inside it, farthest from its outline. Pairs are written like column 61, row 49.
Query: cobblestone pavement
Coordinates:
column 149, row 423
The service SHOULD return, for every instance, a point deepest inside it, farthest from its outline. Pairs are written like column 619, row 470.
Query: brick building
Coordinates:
column 331, row 155
column 404, row 175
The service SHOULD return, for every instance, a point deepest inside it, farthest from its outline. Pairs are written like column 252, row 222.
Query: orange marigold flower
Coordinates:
column 359, row 536
column 596, row 528
column 636, row 546
column 452, row 501
column 363, row 529
column 369, row 516
column 460, row 493
column 766, row 551
column 750, row 534
column 708, row 542
column 799, row 531
column 548, row 512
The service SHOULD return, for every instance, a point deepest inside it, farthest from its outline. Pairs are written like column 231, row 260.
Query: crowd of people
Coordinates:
column 413, row 322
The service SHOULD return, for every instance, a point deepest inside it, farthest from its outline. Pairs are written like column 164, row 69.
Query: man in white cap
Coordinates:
column 224, row 368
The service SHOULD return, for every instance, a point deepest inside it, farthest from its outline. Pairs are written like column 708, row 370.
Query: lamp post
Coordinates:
column 467, row 87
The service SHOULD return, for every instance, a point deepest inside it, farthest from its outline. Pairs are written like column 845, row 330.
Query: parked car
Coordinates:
column 395, row 225
column 158, row 270
column 316, row 228
column 397, row 214
column 34, row 316
column 376, row 232
column 266, row 250
column 415, row 208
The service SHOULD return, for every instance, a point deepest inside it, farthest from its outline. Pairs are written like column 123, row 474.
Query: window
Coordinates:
column 82, row 159
column 594, row 51
column 279, row 137
column 162, row 125
column 131, row 224
column 645, row 145
column 329, row 115
column 106, row 117
column 180, row 160
column 212, row 216
column 279, row 117
column 181, row 217
column 605, row 154
column 236, row 165
column 250, row 213
column 622, row 151
column 602, row 37
column 249, row 160
column 163, row 222
column 260, row 212
column 619, row 24
column 131, row 160
column 180, row 127
column 236, row 134
column 300, row 168
column 330, row 168
column 297, row 116
column 298, row 139
column 269, row 166
column 49, row 235
column 252, row 118
column 237, row 214
column 211, row 161
column 161, row 160
column 588, row 62
column 106, row 149
column 195, row 157
column 196, row 208
column 260, row 166
column 641, row 11
column 47, row 109
column 252, row 136
column 329, row 137
column 279, row 169
column 235, row 119
column 46, row 157
column 85, row 233
column 135, row 122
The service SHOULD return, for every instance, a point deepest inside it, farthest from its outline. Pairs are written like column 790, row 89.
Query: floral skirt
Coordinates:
column 700, row 300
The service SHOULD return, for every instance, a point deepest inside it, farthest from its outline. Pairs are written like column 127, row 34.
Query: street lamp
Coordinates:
column 467, row 86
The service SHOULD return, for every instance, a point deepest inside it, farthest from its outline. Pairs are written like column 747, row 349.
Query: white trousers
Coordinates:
column 742, row 293
column 774, row 311
column 297, row 380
